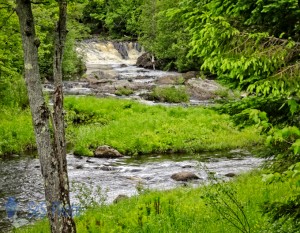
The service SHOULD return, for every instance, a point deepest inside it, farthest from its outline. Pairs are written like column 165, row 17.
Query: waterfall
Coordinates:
column 109, row 53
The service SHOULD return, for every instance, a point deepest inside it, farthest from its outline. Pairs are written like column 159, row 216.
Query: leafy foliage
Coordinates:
column 162, row 34
column 12, row 89
column 116, row 17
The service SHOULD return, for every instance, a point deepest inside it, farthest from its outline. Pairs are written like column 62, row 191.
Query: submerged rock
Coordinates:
column 184, row 176
column 79, row 166
column 230, row 174
column 107, row 168
column 120, row 198
column 89, row 161
column 107, row 152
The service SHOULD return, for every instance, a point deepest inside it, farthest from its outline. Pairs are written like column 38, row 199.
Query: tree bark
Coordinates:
column 51, row 152
column 59, row 144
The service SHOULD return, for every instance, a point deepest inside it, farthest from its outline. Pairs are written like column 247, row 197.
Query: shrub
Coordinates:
column 123, row 91
column 170, row 94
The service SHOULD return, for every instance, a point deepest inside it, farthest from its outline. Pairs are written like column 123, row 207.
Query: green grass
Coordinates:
column 123, row 91
column 181, row 210
column 170, row 94
column 133, row 128
column 16, row 131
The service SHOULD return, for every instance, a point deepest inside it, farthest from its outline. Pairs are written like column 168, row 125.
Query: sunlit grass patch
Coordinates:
column 134, row 128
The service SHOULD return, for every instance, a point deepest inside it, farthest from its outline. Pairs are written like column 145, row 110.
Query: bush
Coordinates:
column 124, row 91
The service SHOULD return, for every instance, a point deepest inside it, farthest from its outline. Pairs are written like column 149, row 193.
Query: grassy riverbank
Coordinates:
column 134, row 128
column 185, row 210
column 131, row 128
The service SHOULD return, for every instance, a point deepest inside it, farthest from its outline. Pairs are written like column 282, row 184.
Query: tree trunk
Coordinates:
column 51, row 154
column 59, row 144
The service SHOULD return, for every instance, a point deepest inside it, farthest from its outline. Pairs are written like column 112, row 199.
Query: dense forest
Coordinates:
column 249, row 45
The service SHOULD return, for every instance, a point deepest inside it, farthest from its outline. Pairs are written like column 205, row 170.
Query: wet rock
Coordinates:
column 190, row 75
column 120, row 198
column 106, row 168
column 79, row 166
column 136, row 170
column 202, row 89
column 170, row 80
column 89, row 161
column 184, row 176
column 230, row 174
column 103, row 75
column 94, row 81
column 107, row 152
column 135, row 179
column 187, row 166
column 145, row 61
column 122, row 48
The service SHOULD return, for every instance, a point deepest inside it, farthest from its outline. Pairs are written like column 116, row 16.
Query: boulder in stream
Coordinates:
column 203, row 89
column 170, row 80
column 107, row 152
column 184, row 176
column 230, row 174
column 145, row 61
column 120, row 197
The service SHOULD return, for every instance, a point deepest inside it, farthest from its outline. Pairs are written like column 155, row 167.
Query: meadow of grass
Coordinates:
column 131, row 127
column 184, row 210
column 16, row 131
column 134, row 128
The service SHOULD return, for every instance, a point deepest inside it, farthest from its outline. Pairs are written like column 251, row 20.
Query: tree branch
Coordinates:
column 6, row 20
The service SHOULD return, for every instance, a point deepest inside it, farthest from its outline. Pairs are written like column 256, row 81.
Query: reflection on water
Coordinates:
column 21, row 178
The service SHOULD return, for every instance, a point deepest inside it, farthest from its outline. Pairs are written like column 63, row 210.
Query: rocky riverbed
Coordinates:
column 111, row 66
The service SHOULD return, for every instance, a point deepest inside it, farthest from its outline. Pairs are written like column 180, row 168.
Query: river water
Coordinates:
column 21, row 179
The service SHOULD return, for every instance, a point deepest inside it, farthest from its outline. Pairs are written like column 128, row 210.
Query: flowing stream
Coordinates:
column 21, row 179
column 109, row 66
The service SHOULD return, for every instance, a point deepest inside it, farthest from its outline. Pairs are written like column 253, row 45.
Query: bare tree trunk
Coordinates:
column 59, row 145
column 51, row 159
